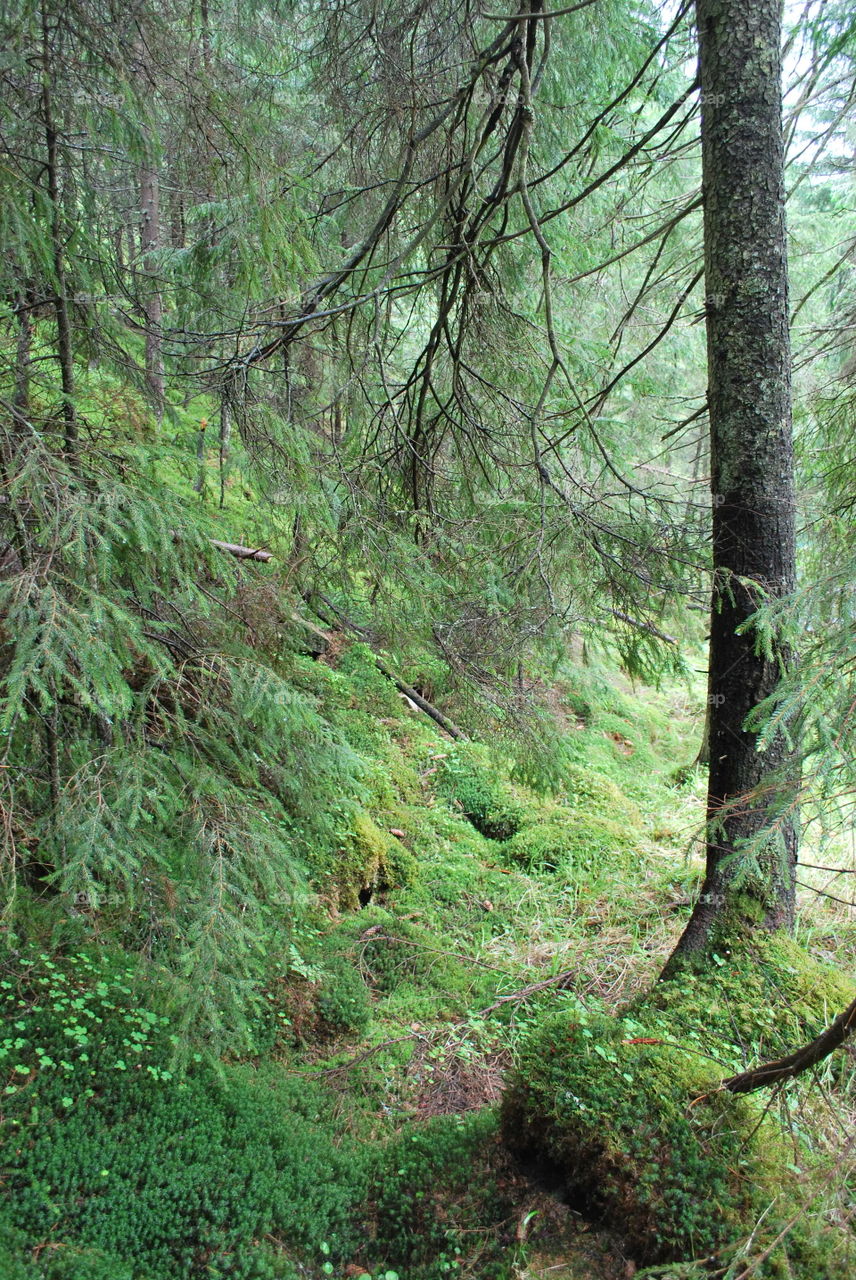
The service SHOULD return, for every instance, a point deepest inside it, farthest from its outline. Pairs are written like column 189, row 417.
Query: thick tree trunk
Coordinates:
column 749, row 369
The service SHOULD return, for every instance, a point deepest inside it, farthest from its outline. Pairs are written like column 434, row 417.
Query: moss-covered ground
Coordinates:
column 459, row 1062
column 467, row 935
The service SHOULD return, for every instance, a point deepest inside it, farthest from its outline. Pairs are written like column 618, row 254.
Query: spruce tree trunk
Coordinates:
column 749, row 371
column 149, row 243
column 58, row 232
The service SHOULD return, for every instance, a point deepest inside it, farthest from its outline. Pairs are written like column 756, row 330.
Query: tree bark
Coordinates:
column 199, row 482
column 225, row 436
column 65, row 351
column 749, row 373
column 23, row 356
column 153, row 303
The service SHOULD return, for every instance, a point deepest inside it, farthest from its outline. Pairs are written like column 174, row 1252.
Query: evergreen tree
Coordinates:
column 750, row 860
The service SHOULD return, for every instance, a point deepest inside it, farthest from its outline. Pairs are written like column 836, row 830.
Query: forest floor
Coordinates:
column 575, row 904
column 462, row 908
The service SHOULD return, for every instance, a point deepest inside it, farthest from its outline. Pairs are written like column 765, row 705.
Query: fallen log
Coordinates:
column 242, row 553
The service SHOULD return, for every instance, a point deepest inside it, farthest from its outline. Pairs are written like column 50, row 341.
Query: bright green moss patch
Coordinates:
column 614, row 1117
column 441, row 1201
column 595, row 793
column 765, row 991
column 109, row 1156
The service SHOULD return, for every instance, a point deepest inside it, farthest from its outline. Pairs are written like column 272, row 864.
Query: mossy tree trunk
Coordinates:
column 749, row 372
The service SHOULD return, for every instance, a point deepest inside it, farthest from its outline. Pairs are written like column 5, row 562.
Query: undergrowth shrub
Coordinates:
column 164, row 778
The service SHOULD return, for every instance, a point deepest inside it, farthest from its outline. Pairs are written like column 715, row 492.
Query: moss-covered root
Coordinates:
column 646, row 1143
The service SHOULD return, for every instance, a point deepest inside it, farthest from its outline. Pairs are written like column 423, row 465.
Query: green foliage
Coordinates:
column 439, row 1205
column 167, row 778
column 111, row 1157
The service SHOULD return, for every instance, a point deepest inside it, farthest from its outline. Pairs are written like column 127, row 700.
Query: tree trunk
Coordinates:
column 23, row 356
column 225, row 445
column 199, row 482
column 65, row 351
column 153, row 304
column 749, row 369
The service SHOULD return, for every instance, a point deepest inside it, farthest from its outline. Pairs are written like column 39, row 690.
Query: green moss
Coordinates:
column 343, row 1001
column 370, row 688
column 366, row 861
column 440, row 1201
column 764, row 991
column 409, row 953
column 473, row 781
column 630, row 1112
column 129, row 1171
column 597, row 794
column 584, row 847
column 615, row 1119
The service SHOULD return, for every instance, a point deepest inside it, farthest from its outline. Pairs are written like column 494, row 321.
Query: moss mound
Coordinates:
column 764, row 991
column 613, row 1115
column 581, row 845
column 628, row 1113
column 367, row 861
column 468, row 777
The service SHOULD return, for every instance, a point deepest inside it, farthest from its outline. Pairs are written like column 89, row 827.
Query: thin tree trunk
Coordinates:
column 61, row 308
column 199, row 482
column 749, row 371
column 23, row 355
column 225, row 446
column 153, row 305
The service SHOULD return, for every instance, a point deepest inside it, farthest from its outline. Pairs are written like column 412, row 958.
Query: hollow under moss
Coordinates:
column 367, row 861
